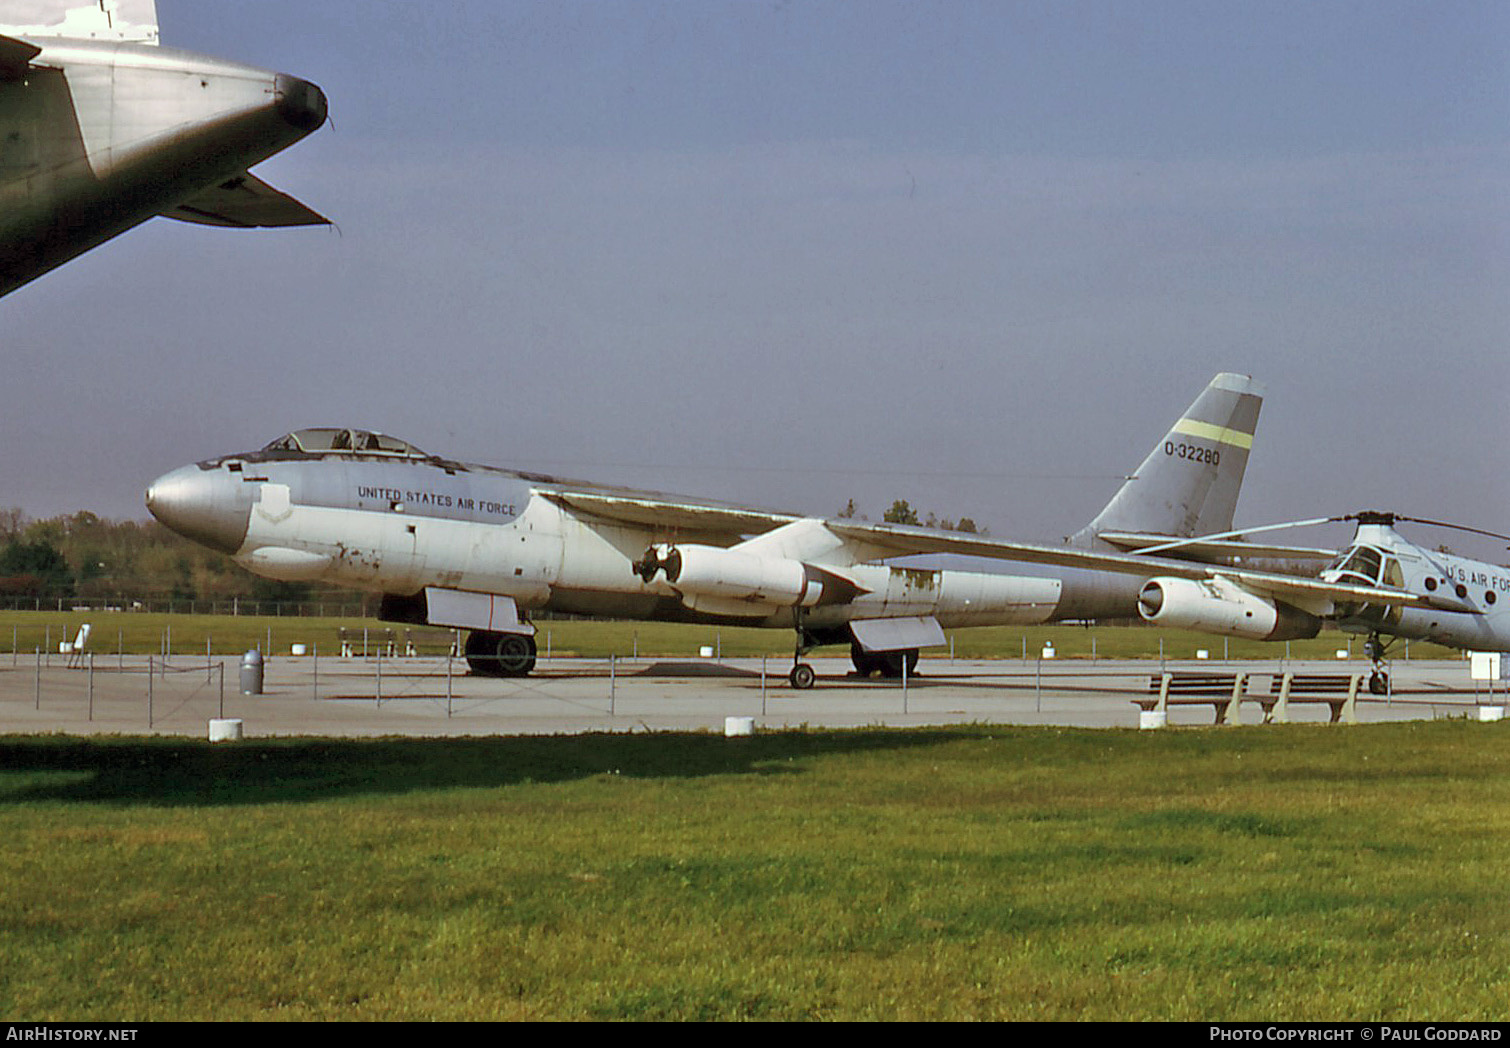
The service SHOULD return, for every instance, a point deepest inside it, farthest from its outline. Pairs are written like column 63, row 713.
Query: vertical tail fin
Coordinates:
column 133, row 21
column 1188, row 484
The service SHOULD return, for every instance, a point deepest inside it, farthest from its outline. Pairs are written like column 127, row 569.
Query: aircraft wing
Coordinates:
column 245, row 202
column 15, row 57
column 897, row 540
column 858, row 541
column 668, row 512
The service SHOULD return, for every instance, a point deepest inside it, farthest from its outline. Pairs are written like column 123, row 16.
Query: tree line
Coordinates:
column 83, row 555
column 901, row 512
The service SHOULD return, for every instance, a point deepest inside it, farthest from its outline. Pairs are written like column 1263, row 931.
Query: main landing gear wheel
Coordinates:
column 802, row 676
column 892, row 661
column 1378, row 682
column 886, row 663
column 500, row 654
column 866, row 664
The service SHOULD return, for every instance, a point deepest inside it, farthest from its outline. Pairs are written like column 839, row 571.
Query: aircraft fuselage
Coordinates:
column 399, row 526
column 472, row 547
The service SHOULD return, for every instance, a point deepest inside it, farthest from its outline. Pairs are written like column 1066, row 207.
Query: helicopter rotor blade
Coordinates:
column 1456, row 527
column 1233, row 534
column 1369, row 516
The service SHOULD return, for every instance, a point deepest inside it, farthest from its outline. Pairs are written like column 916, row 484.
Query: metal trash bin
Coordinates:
column 251, row 673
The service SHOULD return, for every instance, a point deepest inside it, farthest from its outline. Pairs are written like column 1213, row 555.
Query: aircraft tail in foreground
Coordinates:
column 101, row 129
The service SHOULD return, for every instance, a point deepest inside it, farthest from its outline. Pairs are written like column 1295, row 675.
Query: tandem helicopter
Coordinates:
column 1457, row 601
column 1381, row 585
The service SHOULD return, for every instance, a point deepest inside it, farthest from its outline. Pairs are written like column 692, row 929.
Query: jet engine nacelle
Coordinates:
column 711, row 574
column 1219, row 606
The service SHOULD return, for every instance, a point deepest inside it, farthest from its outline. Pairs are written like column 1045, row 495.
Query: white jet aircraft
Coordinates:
column 477, row 547
column 101, row 129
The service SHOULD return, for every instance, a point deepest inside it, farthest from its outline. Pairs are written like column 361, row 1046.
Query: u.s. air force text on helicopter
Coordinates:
column 1470, row 576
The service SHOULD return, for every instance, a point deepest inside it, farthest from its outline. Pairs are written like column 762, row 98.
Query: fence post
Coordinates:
column 904, row 683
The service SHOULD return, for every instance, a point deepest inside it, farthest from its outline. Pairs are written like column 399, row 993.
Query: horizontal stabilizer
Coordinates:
column 245, row 202
column 15, row 56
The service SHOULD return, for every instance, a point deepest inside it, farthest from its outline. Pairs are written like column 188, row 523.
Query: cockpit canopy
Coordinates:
column 1367, row 566
column 1364, row 565
column 323, row 439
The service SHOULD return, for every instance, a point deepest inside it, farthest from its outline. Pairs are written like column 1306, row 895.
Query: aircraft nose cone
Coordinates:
column 207, row 506
column 301, row 103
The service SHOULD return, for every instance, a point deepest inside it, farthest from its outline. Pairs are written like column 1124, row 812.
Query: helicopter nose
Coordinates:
column 208, row 506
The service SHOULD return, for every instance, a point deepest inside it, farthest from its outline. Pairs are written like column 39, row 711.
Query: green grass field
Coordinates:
column 1296, row 873
column 143, row 634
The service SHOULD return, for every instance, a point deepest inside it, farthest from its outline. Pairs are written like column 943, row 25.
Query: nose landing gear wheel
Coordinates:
column 802, row 676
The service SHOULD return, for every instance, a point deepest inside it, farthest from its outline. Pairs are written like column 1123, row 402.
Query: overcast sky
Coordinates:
column 974, row 255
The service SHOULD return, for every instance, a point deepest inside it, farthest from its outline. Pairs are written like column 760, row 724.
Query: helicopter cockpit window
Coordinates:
column 1366, row 566
column 1362, row 564
column 1393, row 576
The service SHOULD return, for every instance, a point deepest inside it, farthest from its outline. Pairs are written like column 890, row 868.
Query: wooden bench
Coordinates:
column 1338, row 690
column 1222, row 691
column 441, row 641
column 366, row 642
